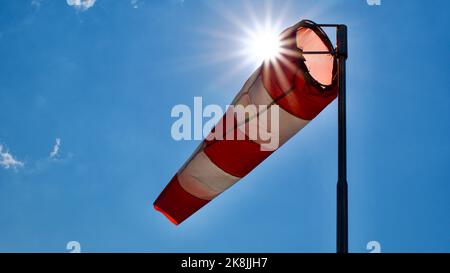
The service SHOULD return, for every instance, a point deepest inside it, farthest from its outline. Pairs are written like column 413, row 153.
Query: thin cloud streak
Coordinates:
column 8, row 161
column 55, row 150
column 81, row 4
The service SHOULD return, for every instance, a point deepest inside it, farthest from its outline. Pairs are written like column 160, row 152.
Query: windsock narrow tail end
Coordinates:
column 176, row 203
column 171, row 219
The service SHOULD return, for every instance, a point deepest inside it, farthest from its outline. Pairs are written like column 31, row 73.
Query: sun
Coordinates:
column 263, row 45
column 250, row 38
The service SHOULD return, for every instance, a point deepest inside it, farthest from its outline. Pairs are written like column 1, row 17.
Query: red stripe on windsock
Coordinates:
column 176, row 203
column 235, row 153
column 305, row 101
column 235, row 157
column 287, row 80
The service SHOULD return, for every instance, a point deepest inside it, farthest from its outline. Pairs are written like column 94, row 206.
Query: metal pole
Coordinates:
column 342, row 190
column 341, row 53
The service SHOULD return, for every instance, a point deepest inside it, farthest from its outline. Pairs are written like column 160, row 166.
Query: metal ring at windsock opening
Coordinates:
column 329, row 48
column 297, row 84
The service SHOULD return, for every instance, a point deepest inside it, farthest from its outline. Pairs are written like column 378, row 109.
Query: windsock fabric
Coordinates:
column 301, row 85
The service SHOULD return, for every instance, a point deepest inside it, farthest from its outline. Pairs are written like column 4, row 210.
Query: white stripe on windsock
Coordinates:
column 289, row 124
column 203, row 179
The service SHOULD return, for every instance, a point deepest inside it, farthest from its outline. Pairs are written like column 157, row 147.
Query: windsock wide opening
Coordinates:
column 322, row 68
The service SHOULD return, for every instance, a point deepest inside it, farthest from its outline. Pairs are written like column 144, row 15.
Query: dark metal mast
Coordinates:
column 342, row 187
column 341, row 53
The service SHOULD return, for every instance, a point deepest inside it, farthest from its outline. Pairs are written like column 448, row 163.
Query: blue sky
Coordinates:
column 104, row 77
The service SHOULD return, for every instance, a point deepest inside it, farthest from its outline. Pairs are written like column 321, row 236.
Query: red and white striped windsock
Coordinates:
column 301, row 86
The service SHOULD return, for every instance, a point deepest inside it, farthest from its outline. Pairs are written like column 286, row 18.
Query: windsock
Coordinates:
column 298, row 86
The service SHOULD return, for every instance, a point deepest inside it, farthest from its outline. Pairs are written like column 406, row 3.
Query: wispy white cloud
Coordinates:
column 81, row 4
column 36, row 3
column 7, row 160
column 55, row 150
column 134, row 3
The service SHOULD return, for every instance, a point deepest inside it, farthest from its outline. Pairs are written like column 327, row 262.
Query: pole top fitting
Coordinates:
column 341, row 37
